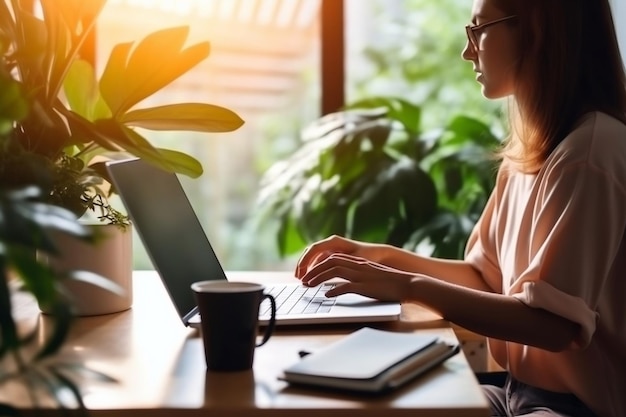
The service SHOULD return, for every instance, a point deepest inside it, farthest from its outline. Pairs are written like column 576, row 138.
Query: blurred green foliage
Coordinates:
column 417, row 174
column 416, row 54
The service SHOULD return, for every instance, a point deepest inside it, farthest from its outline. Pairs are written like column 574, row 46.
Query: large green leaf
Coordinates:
column 185, row 116
column 113, row 91
column 401, row 193
column 156, row 61
column 25, row 220
column 180, row 162
column 468, row 129
column 397, row 108
column 169, row 160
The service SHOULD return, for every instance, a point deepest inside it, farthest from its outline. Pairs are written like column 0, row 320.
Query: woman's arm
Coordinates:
column 493, row 315
column 452, row 271
column 448, row 270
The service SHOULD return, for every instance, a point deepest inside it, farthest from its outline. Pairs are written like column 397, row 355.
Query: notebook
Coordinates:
column 181, row 253
column 371, row 360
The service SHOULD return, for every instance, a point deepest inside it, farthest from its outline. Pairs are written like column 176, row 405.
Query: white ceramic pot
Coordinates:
column 110, row 257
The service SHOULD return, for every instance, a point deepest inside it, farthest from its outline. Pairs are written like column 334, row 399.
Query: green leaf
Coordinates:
column 113, row 91
column 198, row 117
column 13, row 105
column 470, row 129
column 96, row 280
column 400, row 194
column 398, row 109
column 80, row 368
column 156, row 61
column 38, row 278
column 68, row 26
column 167, row 159
column 31, row 41
column 50, row 216
column 66, row 382
column 25, row 220
column 82, row 92
column 288, row 239
column 61, row 323
column 76, row 16
column 106, row 133
column 181, row 163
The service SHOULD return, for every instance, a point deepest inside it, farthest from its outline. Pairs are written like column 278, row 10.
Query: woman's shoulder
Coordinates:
column 596, row 139
column 594, row 150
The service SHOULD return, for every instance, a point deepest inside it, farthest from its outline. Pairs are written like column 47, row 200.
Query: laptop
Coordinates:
column 181, row 253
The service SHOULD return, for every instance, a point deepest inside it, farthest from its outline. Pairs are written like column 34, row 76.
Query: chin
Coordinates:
column 493, row 94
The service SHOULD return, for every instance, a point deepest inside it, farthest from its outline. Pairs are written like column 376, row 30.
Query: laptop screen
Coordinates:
column 168, row 227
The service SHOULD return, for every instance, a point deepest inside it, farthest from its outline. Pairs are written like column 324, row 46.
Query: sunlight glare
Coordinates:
column 266, row 12
column 180, row 7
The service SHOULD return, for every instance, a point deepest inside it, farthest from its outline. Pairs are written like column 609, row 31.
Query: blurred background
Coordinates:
column 271, row 62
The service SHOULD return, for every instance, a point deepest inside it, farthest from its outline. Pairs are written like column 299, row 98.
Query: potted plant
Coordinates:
column 78, row 118
column 57, row 117
column 369, row 172
column 26, row 222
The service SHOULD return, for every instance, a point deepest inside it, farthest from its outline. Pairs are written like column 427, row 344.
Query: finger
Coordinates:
column 315, row 253
column 312, row 260
column 307, row 259
column 364, row 289
column 337, row 265
column 337, row 290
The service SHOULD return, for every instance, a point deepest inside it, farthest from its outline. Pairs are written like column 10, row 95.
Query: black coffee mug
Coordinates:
column 229, row 313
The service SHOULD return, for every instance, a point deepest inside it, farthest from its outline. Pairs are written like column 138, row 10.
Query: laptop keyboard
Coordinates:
column 298, row 299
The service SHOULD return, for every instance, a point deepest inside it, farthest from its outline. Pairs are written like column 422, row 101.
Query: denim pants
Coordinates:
column 508, row 397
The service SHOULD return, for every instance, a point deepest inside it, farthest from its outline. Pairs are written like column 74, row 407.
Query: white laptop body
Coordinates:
column 181, row 253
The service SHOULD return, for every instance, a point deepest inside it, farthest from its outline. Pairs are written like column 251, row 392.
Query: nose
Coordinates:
column 468, row 53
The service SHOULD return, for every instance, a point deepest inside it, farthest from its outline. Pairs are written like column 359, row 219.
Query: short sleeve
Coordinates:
column 577, row 225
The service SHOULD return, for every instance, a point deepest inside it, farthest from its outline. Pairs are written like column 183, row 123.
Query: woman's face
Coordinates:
column 495, row 59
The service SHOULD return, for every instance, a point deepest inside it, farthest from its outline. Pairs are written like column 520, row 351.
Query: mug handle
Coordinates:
column 270, row 327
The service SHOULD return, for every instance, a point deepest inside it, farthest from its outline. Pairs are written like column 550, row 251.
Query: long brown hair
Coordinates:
column 570, row 64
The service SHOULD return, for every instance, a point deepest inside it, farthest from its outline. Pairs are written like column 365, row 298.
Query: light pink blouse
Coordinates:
column 556, row 240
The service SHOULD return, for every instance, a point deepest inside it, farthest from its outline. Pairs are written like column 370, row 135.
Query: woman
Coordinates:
column 544, row 276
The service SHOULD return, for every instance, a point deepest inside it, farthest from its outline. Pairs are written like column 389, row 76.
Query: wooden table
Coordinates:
column 160, row 368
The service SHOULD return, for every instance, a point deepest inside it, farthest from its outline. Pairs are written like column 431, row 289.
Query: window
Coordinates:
column 264, row 64
column 267, row 65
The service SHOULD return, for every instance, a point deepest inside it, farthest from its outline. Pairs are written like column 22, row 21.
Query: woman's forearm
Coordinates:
column 448, row 270
column 493, row 315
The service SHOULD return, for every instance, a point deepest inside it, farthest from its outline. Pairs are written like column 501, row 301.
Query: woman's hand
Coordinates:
column 362, row 276
column 321, row 250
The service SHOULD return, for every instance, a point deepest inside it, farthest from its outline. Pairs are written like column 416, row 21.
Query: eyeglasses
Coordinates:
column 472, row 29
